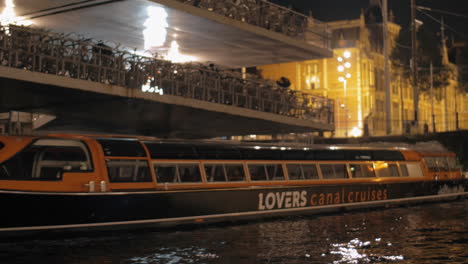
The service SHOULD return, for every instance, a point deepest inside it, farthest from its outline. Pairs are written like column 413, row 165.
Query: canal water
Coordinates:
column 430, row 233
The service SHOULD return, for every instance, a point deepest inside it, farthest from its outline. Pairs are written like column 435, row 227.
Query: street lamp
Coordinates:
column 347, row 54
column 343, row 67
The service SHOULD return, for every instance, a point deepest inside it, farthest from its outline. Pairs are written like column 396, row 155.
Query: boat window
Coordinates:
column 386, row 170
column 310, row 171
column 1, row 145
column 275, row 172
column 414, row 170
column 235, row 172
column 64, row 154
column 128, row 170
column 443, row 164
column 334, row 171
column 257, row 172
column 431, row 163
column 224, row 172
column 327, row 171
column 122, row 148
column 177, row 172
column 361, row 170
column 215, row 173
column 53, row 160
column 264, row 172
column 302, row 171
column 160, row 150
column 166, row 173
column 404, row 170
column 295, row 171
column 47, row 159
column 189, row 173
column 453, row 163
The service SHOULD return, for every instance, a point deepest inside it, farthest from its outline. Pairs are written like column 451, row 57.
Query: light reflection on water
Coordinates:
column 435, row 233
column 176, row 255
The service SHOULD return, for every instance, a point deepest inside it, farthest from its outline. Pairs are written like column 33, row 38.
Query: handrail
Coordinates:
column 43, row 51
column 267, row 15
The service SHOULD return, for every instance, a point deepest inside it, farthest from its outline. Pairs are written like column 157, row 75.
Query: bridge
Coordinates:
column 107, row 88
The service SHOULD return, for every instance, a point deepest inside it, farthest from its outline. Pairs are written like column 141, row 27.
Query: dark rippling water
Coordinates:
column 432, row 233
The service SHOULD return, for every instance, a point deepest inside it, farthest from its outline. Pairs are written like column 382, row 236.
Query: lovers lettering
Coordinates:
column 278, row 200
column 295, row 199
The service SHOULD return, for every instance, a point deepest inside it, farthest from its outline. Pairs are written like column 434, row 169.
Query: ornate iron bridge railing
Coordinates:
column 270, row 16
column 42, row 51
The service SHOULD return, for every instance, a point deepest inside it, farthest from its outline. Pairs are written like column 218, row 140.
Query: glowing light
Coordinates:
column 8, row 16
column 283, row 148
column 273, row 147
column 147, row 88
column 155, row 34
column 348, row 75
column 340, row 68
column 340, row 59
column 257, row 147
column 175, row 56
column 333, row 147
column 347, row 54
column 252, row 136
column 155, row 27
column 356, row 132
column 347, row 65
column 380, row 165
column 341, row 79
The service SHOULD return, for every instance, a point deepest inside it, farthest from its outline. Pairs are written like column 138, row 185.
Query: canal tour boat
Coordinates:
column 88, row 183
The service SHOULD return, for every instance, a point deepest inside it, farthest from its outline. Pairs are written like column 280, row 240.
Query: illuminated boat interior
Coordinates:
column 131, row 164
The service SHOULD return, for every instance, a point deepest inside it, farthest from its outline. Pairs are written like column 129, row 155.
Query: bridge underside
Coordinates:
column 200, row 33
column 82, row 105
column 78, row 110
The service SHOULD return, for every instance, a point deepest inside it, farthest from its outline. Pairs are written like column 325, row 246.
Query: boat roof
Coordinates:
column 219, row 149
column 218, row 142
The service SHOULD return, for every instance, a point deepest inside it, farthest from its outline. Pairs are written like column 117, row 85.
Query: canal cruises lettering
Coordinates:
column 75, row 182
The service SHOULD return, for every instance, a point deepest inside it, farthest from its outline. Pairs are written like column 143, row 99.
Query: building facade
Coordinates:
column 354, row 78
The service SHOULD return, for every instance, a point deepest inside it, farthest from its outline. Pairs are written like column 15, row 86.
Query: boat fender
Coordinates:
column 103, row 186
column 91, row 186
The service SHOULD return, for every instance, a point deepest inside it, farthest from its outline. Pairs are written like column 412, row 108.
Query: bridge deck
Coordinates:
column 218, row 31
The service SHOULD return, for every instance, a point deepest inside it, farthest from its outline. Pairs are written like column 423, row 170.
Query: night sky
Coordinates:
column 329, row 10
